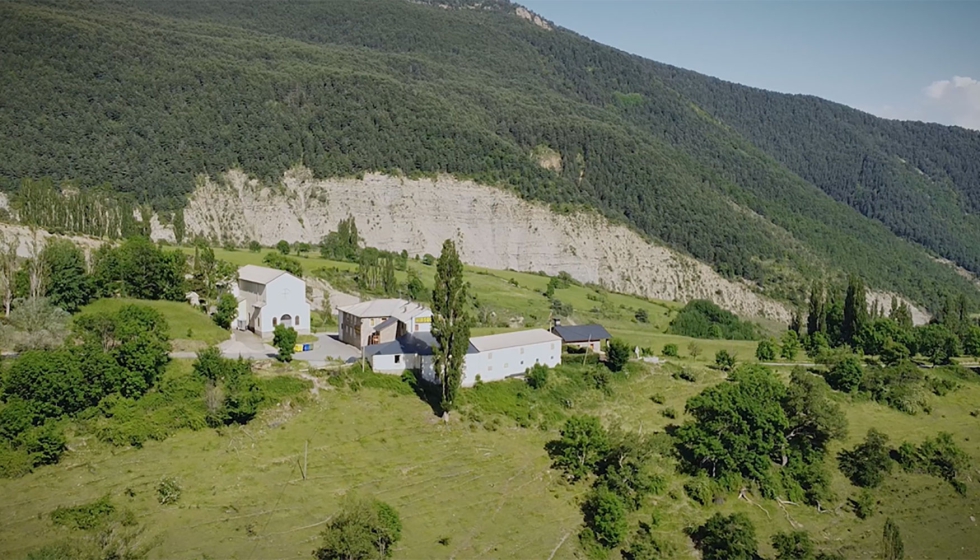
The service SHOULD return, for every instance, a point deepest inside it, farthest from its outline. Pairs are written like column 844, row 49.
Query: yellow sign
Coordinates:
column 423, row 319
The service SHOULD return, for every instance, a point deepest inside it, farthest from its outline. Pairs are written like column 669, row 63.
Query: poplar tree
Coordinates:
column 891, row 540
column 450, row 322
column 855, row 310
column 8, row 270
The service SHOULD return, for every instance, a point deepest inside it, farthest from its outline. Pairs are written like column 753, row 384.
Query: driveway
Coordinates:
column 328, row 348
column 246, row 344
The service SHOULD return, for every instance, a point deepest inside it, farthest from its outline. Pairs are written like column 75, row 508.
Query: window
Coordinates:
column 522, row 349
column 296, row 320
column 416, row 328
column 489, row 368
column 398, row 359
column 552, row 345
column 275, row 321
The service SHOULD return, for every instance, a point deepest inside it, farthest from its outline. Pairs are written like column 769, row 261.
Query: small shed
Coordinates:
column 594, row 337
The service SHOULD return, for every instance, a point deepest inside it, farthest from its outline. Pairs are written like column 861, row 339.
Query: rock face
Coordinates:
column 493, row 228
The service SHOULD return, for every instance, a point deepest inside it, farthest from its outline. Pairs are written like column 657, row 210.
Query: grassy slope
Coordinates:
column 186, row 323
column 490, row 491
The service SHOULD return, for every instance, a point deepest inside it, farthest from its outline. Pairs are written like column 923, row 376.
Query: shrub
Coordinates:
column 939, row 457
column 725, row 360
column 669, row 412
column 86, row 516
column 283, row 247
column 605, row 516
column 941, row 386
column 365, row 529
column 254, row 246
column 618, row 354
column 45, row 444
column 642, row 315
column 670, row 350
column 790, row 345
column 765, row 351
column 864, row 504
column 428, row 260
column 704, row 319
column 658, row 398
column 537, row 376
column 701, row 489
column 729, row 537
column 868, row 463
column 646, row 546
column 599, row 378
column 793, row 546
column 694, row 349
column 686, row 374
column 168, row 491
column 846, row 374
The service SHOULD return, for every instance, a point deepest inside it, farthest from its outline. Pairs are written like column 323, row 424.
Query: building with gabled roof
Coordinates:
column 592, row 336
column 268, row 297
column 381, row 320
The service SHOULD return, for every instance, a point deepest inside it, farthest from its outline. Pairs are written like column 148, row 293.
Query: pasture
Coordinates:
column 477, row 487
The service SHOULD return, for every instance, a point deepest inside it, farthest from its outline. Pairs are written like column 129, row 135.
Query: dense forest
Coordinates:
column 146, row 95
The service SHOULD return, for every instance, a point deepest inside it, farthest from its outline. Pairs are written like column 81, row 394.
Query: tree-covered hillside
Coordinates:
column 144, row 95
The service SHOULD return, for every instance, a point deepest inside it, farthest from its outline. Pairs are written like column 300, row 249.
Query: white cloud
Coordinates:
column 955, row 101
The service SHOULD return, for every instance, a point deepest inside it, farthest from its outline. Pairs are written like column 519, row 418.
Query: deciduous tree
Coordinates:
column 582, row 445
column 68, row 284
column 868, row 463
column 284, row 339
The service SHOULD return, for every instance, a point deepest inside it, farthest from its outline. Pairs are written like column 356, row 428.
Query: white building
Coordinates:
column 492, row 358
column 381, row 320
column 268, row 297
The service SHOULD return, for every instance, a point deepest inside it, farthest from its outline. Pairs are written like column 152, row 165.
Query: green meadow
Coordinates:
column 480, row 486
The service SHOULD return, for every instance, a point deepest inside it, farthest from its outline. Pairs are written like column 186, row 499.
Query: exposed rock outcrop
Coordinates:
column 494, row 229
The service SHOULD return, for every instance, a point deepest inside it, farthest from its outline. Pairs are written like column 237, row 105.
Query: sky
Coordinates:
column 901, row 59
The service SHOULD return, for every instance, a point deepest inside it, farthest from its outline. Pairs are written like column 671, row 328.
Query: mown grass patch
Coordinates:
column 184, row 321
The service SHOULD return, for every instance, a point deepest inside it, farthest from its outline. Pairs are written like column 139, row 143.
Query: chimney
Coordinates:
column 556, row 322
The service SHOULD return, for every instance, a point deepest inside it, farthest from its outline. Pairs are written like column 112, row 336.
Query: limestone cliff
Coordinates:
column 493, row 228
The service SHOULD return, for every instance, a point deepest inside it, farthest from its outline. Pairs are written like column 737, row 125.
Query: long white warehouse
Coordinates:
column 491, row 358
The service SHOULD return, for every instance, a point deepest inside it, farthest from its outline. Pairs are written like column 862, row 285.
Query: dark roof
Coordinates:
column 581, row 333
column 385, row 324
column 420, row 343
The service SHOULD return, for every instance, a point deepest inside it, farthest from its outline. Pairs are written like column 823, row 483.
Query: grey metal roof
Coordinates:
column 420, row 343
column 385, row 324
column 581, row 333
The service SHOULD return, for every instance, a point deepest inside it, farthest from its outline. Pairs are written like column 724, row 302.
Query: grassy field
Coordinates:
column 190, row 328
column 487, row 486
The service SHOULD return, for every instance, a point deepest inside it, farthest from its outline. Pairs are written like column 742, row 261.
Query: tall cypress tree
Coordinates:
column 815, row 320
column 855, row 310
column 450, row 322
column 891, row 542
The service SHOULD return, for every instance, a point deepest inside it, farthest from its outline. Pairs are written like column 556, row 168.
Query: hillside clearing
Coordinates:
column 189, row 327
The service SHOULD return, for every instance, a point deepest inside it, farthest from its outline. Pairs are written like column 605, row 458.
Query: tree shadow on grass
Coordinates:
column 429, row 393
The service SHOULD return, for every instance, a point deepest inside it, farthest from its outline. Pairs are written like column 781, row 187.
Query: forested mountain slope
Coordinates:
column 921, row 180
column 145, row 95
